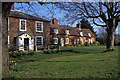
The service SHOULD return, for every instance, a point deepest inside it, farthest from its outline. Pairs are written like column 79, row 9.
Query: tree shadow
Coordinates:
column 58, row 61
column 78, row 52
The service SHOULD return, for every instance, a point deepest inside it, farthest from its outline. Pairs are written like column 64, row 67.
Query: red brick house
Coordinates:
column 67, row 35
column 26, row 31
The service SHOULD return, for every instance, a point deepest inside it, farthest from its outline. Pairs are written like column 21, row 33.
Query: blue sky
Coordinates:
column 44, row 12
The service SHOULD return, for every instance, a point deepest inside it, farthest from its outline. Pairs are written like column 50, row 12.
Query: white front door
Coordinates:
column 25, row 40
column 62, row 41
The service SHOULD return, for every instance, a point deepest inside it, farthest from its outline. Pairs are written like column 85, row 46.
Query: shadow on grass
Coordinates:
column 78, row 52
column 58, row 61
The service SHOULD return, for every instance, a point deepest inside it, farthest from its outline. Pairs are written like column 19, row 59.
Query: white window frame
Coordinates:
column 66, row 41
column 78, row 40
column 89, row 34
column 56, row 32
column 81, row 33
column 20, row 24
column 89, row 40
column 36, row 40
column 8, row 24
column 57, row 40
column 8, row 40
column 67, row 32
column 41, row 26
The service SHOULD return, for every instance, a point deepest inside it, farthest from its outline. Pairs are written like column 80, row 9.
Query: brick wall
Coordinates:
column 14, row 29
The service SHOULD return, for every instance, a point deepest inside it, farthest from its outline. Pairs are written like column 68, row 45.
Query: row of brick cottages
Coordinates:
column 28, row 32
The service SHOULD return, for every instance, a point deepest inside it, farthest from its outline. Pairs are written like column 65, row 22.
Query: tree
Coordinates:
column 6, row 6
column 87, row 25
column 104, row 14
column 5, row 56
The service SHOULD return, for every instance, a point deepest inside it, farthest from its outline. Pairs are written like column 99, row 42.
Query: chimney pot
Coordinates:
column 55, row 21
column 79, row 25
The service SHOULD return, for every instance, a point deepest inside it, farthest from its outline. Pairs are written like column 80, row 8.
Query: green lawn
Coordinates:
column 82, row 62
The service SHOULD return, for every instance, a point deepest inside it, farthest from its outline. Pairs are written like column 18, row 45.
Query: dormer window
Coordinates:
column 22, row 25
column 56, row 31
column 67, row 31
column 81, row 33
column 89, row 34
column 67, row 41
column 80, row 28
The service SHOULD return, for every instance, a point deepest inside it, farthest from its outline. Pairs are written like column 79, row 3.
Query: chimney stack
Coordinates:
column 79, row 26
column 12, row 7
column 55, row 21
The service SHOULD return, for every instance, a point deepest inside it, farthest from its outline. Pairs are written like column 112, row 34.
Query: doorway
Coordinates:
column 26, row 43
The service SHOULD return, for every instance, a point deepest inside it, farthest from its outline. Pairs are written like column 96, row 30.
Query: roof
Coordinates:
column 74, row 31
column 19, row 14
column 22, row 34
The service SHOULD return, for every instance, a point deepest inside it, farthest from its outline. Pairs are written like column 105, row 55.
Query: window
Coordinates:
column 89, row 40
column 22, row 25
column 67, row 31
column 89, row 34
column 39, row 26
column 77, row 40
column 74, row 41
column 55, row 40
column 8, row 24
column 8, row 40
column 39, row 40
column 56, row 31
column 81, row 33
column 67, row 41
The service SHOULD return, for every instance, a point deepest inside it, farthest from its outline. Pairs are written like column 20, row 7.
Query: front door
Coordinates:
column 62, row 41
column 26, row 43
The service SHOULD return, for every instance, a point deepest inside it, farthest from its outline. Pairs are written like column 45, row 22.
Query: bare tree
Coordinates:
column 6, row 6
column 104, row 14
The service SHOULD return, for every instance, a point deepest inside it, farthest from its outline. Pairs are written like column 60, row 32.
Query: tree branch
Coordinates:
column 98, row 24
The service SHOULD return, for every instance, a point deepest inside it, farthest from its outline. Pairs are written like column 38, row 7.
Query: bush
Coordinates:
column 19, row 53
column 57, row 51
column 87, row 44
column 80, row 42
column 95, row 43
column 13, row 48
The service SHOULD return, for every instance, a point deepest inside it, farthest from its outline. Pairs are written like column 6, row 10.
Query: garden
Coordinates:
column 68, row 62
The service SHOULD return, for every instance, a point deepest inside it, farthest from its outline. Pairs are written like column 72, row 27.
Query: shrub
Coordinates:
column 96, row 43
column 87, row 44
column 80, row 42
column 21, row 53
column 57, row 51
column 13, row 48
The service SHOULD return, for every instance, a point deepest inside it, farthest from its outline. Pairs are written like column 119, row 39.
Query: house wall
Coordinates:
column 93, row 38
column 83, row 40
column 14, row 29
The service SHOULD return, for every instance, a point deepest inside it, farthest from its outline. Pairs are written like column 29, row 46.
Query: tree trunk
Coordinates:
column 110, row 37
column 5, row 56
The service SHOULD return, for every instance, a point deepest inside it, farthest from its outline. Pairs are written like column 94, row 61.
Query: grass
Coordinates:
column 82, row 62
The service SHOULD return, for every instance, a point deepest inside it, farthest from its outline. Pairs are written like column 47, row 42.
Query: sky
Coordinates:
column 43, row 11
